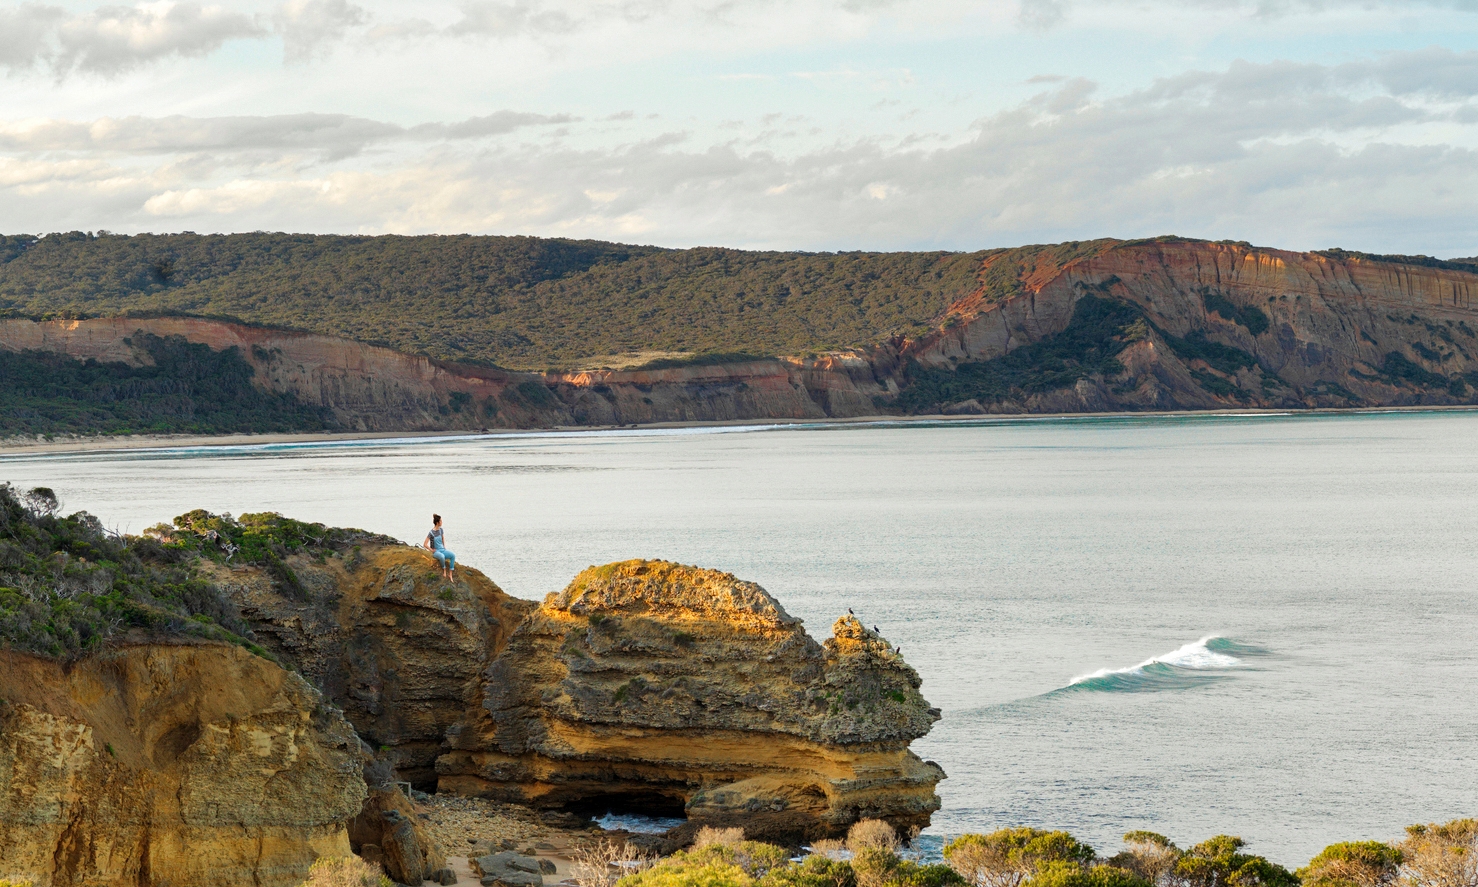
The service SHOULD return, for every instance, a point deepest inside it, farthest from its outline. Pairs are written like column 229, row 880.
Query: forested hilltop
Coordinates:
column 518, row 302
column 275, row 332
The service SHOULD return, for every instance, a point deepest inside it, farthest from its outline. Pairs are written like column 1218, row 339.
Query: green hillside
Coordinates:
column 519, row 302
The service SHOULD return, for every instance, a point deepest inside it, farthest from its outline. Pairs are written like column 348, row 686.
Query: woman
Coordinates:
column 436, row 544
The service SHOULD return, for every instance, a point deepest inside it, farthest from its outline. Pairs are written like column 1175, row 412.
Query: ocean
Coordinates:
column 1254, row 625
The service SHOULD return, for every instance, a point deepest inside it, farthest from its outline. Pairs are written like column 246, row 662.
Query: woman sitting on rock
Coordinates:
column 435, row 543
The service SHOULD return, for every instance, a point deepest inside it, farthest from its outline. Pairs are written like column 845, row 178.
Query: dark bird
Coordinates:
column 875, row 630
column 898, row 651
column 849, row 612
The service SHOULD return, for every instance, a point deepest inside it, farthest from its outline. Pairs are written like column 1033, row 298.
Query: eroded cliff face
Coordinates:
column 177, row 765
column 397, row 648
column 654, row 683
column 1335, row 319
column 1333, row 323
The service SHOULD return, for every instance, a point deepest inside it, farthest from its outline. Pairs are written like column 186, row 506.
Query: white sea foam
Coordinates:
column 1197, row 655
column 637, row 823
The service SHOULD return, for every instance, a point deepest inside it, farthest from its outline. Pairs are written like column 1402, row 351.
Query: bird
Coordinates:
column 875, row 630
column 897, row 651
column 849, row 612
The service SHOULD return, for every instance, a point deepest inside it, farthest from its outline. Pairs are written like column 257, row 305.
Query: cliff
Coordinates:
column 643, row 684
column 185, row 765
column 398, row 649
column 1285, row 330
column 1224, row 325
column 687, row 689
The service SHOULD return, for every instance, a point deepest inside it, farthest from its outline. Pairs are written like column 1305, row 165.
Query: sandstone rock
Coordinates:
column 648, row 680
column 397, row 648
column 390, row 823
column 180, row 765
column 508, row 869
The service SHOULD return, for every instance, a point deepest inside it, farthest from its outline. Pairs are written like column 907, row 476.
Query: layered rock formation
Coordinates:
column 397, row 648
column 1334, row 319
column 653, row 684
column 1332, row 322
column 191, row 766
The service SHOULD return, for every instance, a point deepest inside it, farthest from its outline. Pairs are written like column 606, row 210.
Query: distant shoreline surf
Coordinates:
column 80, row 445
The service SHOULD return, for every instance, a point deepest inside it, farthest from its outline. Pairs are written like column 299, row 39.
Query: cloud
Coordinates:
column 115, row 39
column 308, row 26
column 492, row 18
column 328, row 136
column 1290, row 154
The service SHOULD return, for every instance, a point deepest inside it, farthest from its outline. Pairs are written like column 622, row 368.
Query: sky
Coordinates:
column 774, row 124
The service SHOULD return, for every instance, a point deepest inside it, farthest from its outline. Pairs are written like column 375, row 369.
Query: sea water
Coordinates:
column 1262, row 626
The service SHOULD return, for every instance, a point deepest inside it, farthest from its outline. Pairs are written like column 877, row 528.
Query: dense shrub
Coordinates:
column 1218, row 863
column 1441, row 855
column 67, row 585
column 1149, row 855
column 1352, row 864
column 877, row 867
column 814, row 871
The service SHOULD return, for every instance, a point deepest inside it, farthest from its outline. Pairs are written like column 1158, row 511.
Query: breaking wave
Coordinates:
column 637, row 823
column 1196, row 664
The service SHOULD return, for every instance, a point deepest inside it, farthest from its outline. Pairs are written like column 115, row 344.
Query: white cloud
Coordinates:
column 309, row 26
column 115, row 39
column 1295, row 155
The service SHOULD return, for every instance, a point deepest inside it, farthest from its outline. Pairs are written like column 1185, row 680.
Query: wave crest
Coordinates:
column 1192, row 665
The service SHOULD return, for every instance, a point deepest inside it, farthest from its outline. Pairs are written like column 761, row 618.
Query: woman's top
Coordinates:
column 435, row 537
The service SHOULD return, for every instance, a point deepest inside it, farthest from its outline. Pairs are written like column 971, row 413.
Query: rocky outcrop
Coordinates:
column 170, row 765
column 388, row 832
column 667, row 686
column 376, row 628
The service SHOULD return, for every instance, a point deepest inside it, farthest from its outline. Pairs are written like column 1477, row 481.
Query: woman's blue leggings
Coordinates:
column 446, row 557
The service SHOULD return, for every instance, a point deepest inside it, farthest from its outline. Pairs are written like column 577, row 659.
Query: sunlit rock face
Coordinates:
column 180, row 765
column 664, row 686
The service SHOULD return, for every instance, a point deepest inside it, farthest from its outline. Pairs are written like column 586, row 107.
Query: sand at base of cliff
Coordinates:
column 466, row 826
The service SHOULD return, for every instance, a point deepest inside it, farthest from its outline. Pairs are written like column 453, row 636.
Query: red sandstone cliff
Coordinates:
column 1333, row 322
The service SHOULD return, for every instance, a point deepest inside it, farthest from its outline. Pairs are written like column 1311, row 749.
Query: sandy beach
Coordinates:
column 27, row 446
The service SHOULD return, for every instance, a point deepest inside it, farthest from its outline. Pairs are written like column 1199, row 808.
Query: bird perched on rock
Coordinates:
column 849, row 612
column 875, row 630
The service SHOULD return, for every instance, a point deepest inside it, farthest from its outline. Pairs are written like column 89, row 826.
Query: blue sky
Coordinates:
column 808, row 124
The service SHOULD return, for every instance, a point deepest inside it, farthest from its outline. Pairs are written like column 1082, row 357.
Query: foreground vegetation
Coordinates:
column 1430, row 856
column 186, row 388
column 68, row 585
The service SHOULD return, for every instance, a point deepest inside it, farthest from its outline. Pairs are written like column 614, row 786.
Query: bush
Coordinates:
column 1441, row 855
column 877, row 867
column 755, row 858
column 1352, row 864
column 1216, row 863
column 1068, row 874
column 682, row 874
column 817, row 870
column 67, row 585
column 1149, row 855
column 709, row 836
column 867, row 833
column 347, row 871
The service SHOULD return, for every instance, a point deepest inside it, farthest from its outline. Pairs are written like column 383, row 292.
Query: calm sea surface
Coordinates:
column 1261, row 626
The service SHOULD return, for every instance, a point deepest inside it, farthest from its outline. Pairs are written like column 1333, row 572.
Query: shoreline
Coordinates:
column 145, row 442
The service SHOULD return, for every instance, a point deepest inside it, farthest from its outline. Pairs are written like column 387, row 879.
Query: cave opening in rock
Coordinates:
column 632, row 811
